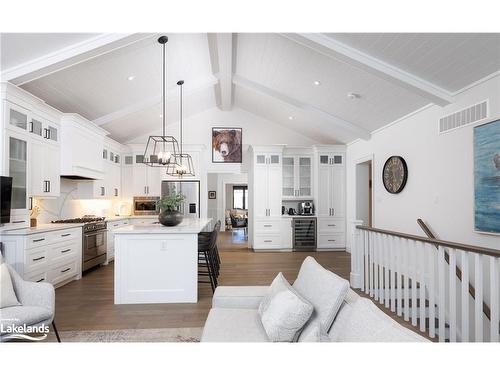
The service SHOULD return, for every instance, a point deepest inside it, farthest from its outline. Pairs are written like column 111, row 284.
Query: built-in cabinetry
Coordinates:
column 54, row 256
column 330, row 196
column 297, row 175
column 112, row 226
column 265, row 179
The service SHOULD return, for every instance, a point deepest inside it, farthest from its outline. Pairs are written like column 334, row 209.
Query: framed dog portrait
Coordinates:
column 226, row 145
column 212, row 194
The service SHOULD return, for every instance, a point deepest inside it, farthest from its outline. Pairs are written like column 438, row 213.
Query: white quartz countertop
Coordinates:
column 286, row 216
column 40, row 228
column 116, row 218
column 188, row 226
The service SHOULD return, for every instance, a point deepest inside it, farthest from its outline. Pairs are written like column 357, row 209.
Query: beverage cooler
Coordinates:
column 304, row 233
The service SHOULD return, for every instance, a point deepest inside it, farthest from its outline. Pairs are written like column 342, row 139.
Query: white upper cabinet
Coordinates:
column 297, row 177
column 267, row 184
column 45, row 169
column 331, row 185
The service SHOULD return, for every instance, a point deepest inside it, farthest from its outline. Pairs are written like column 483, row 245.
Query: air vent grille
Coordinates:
column 464, row 117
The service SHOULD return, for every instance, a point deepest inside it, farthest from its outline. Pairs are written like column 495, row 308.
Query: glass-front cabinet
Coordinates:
column 18, row 170
column 297, row 177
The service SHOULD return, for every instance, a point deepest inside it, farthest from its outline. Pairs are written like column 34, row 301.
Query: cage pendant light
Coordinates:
column 162, row 150
column 184, row 166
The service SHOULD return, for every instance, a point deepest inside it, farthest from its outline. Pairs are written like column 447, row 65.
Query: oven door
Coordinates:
column 94, row 245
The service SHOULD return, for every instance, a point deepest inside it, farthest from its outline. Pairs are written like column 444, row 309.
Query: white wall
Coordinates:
column 440, row 187
column 363, row 192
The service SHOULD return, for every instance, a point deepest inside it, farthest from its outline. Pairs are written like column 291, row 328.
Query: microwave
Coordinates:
column 146, row 206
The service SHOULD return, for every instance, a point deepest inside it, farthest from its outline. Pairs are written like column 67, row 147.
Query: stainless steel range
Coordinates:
column 94, row 245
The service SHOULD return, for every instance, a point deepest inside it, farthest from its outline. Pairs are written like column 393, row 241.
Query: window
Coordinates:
column 240, row 196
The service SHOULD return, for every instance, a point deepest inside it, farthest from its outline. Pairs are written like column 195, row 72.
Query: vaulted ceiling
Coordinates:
column 325, row 86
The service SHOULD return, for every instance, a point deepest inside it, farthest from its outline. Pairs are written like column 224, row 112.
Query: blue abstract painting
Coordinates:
column 487, row 177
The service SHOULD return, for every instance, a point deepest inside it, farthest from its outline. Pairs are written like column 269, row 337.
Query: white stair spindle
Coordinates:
column 387, row 269
column 372, row 265
column 366, row 259
column 399, row 262
column 406, row 290
column 464, row 296
column 414, row 266
column 453, row 295
column 431, row 254
column 478, row 302
column 494, row 302
column 421, row 268
column 376, row 259
column 441, row 295
column 392, row 256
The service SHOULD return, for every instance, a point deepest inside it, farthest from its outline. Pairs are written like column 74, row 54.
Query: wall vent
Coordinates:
column 464, row 117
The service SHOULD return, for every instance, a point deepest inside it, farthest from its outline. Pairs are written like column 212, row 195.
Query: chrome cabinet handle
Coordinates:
column 331, row 240
column 331, row 225
column 268, row 240
column 267, row 226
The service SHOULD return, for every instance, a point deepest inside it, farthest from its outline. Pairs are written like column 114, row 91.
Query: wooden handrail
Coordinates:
column 454, row 245
column 458, row 271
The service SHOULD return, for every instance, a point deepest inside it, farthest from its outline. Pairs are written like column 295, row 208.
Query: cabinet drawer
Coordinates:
column 66, row 235
column 267, row 242
column 64, row 251
column 116, row 224
column 267, row 226
column 35, row 259
column 37, row 276
column 331, row 241
column 330, row 226
column 37, row 240
column 63, row 272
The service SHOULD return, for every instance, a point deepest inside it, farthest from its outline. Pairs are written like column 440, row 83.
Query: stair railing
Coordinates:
column 409, row 275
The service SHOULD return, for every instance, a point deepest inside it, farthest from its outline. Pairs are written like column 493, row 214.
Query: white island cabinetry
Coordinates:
column 157, row 264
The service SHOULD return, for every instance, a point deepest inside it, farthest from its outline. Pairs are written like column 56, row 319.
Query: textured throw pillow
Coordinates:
column 7, row 294
column 283, row 311
column 323, row 289
column 313, row 333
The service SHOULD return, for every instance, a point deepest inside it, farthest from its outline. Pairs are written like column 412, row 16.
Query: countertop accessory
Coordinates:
column 169, row 214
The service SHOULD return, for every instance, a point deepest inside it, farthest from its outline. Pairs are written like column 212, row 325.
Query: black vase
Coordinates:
column 170, row 218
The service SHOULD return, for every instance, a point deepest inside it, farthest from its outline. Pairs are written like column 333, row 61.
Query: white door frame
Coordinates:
column 364, row 159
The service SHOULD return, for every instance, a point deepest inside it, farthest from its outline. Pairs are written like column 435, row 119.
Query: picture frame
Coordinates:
column 212, row 194
column 227, row 145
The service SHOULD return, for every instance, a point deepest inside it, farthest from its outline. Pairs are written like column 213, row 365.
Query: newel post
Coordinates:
column 356, row 255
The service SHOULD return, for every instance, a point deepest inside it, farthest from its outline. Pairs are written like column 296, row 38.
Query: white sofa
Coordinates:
column 234, row 318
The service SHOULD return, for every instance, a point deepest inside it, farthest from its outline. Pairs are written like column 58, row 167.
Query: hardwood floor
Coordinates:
column 87, row 304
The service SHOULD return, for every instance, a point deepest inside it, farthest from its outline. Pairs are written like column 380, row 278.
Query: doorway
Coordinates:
column 364, row 191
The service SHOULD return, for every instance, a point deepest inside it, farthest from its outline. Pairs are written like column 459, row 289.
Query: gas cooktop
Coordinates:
column 84, row 219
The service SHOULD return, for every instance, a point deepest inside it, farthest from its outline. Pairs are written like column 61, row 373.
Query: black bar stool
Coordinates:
column 207, row 256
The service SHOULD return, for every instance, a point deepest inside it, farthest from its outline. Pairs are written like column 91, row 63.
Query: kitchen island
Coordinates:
column 158, row 264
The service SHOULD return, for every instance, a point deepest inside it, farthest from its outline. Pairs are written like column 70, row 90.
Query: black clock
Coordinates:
column 395, row 174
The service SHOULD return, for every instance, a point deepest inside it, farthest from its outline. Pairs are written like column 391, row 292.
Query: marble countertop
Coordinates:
column 286, row 216
column 40, row 228
column 116, row 218
column 188, row 226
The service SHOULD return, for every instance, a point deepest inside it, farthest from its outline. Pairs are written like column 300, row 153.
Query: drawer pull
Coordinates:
column 66, row 270
column 268, row 226
column 18, row 221
column 331, row 225
column 331, row 240
column 65, row 251
column 268, row 240
column 39, row 240
column 42, row 279
column 115, row 225
column 66, row 235
column 40, row 258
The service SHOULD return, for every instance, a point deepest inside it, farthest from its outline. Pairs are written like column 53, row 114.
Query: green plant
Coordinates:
column 172, row 202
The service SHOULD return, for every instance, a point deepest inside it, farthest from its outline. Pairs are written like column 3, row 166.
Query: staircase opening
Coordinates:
column 364, row 193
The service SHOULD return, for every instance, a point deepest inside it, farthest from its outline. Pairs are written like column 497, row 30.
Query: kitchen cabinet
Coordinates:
column 44, row 167
column 265, row 188
column 53, row 256
column 146, row 180
column 112, row 226
column 330, row 199
column 297, row 177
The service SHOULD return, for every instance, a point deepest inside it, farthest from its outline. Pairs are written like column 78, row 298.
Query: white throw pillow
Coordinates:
column 7, row 294
column 313, row 333
column 283, row 311
column 323, row 289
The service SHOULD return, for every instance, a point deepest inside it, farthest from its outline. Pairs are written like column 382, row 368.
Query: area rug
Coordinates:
column 130, row 335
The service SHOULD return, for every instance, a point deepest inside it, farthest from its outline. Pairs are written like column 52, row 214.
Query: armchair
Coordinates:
column 37, row 305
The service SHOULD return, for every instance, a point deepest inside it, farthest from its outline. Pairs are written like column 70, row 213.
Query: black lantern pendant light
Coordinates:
column 162, row 150
column 184, row 166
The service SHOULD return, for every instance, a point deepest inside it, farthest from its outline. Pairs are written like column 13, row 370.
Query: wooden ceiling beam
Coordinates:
column 68, row 56
column 343, row 52
column 347, row 126
column 220, row 46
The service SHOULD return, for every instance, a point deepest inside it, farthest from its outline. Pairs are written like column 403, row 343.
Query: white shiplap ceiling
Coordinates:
column 273, row 76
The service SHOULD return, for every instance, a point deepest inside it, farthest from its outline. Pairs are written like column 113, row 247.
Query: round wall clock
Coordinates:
column 395, row 174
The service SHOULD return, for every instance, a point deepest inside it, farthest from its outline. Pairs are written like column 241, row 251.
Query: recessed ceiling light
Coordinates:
column 290, row 117
column 131, row 78
column 353, row 95
column 317, row 83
